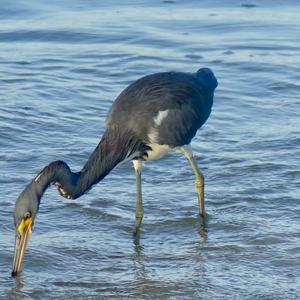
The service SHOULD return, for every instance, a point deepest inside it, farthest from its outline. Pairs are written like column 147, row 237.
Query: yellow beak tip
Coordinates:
column 22, row 237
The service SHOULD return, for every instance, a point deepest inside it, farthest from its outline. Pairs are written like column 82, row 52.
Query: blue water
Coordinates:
column 62, row 63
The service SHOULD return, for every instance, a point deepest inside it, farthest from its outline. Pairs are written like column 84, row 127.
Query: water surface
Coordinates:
column 62, row 65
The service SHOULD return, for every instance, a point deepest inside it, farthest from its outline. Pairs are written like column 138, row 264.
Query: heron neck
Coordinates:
column 110, row 151
column 57, row 170
column 114, row 147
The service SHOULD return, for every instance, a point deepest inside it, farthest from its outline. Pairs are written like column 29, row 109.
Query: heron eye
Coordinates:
column 27, row 216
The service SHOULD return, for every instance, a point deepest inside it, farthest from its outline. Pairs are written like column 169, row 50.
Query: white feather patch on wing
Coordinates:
column 161, row 116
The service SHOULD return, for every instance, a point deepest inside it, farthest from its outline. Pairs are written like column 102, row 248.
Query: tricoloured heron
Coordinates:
column 152, row 116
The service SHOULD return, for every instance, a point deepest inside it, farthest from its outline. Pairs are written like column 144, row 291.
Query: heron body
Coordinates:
column 154, row 115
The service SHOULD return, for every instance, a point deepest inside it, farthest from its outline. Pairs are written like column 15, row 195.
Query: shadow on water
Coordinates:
column 16, row 291
column 142, row 244
column 147, row 256
column 139, row 268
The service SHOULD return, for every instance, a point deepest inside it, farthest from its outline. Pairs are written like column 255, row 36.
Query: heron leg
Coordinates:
column 199, row 178
column 137, row 164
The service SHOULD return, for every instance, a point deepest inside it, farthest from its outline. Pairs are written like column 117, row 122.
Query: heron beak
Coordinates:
column 23, row 233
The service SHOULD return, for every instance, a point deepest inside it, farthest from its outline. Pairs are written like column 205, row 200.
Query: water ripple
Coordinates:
column 62, row 65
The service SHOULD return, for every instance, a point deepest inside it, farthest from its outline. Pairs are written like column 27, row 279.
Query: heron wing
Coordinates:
column 187, row 101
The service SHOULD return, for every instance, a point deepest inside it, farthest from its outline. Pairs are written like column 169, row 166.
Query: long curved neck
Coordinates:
column 112, row 149
column 54, row 171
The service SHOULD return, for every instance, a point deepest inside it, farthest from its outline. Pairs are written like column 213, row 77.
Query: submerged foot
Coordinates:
column 136, row 229
column 136, row 232
column 202, row 228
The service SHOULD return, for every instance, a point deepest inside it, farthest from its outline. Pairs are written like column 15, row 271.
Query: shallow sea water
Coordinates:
column 62, row 63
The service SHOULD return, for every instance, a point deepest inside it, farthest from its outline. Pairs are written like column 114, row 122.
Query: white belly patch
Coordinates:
column 157, row 151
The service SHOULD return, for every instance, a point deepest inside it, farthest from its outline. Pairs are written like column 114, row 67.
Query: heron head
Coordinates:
column 207, row 78
column 26, row 208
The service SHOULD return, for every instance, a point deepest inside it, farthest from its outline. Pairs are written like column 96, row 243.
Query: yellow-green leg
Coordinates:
column 139, row 203
column 199, row 178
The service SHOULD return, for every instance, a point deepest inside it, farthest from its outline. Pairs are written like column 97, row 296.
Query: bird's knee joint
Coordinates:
column 139, row 214
column 138, row 219
column 199, row 183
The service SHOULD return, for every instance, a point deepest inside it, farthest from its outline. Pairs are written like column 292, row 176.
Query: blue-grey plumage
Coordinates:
column 152, row 116
column 188, row 98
